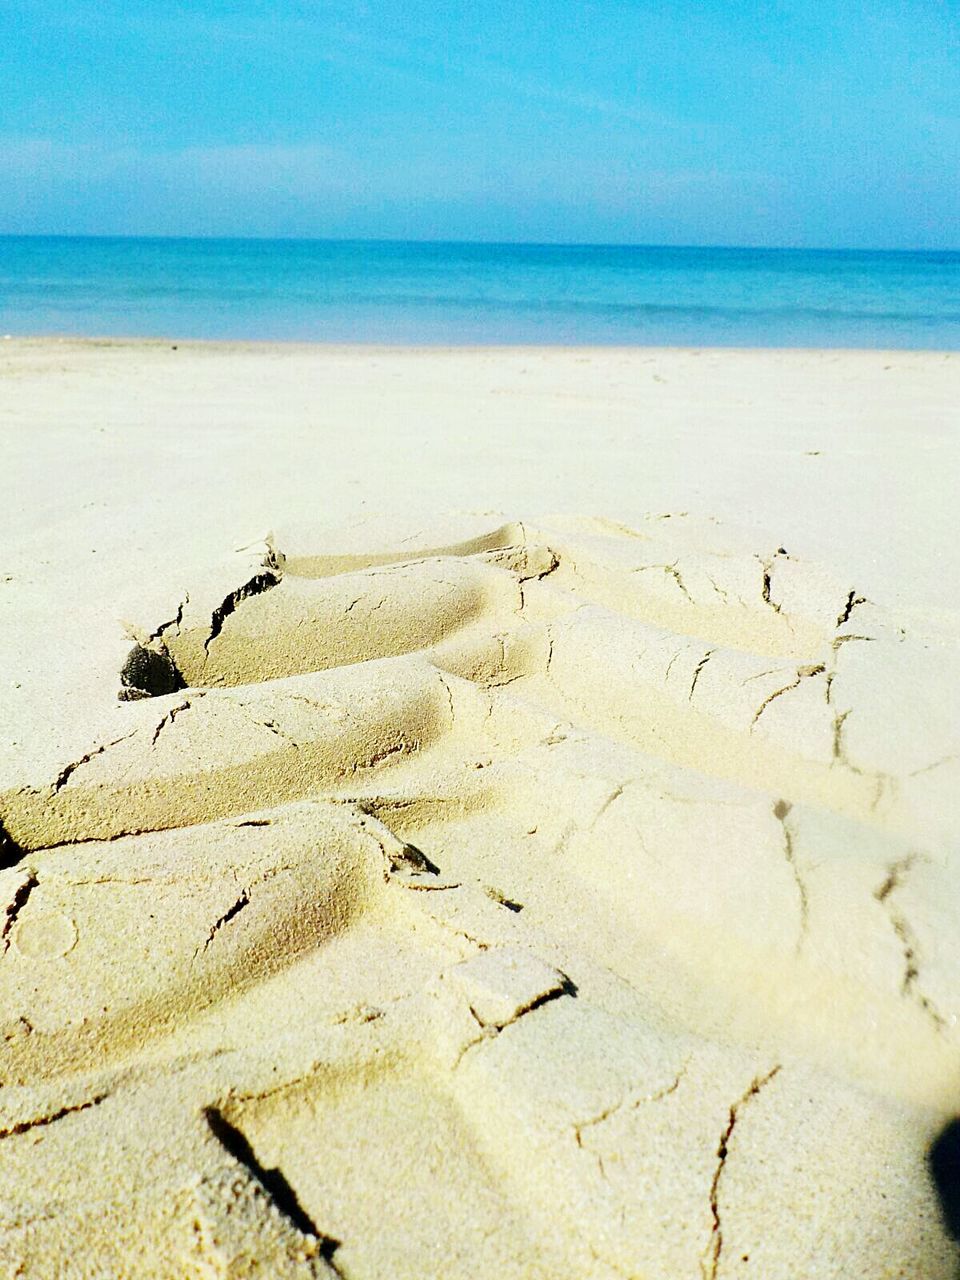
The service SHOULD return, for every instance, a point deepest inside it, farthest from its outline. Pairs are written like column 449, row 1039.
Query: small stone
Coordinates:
column 148, row 673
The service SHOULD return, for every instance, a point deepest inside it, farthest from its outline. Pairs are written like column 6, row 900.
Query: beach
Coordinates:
column 477, row 810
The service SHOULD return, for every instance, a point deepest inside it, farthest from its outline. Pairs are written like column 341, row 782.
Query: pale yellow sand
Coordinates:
column 549, row 865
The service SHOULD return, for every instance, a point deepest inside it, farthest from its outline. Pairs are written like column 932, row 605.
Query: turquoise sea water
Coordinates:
column 355, row 291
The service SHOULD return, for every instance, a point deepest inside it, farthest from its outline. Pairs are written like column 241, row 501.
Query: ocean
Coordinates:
column 454, row 293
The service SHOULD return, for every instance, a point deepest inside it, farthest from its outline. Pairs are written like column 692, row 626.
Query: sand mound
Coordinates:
column 568, row 900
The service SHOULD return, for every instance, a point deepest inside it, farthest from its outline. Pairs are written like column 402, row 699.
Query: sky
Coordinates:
column 810, row 123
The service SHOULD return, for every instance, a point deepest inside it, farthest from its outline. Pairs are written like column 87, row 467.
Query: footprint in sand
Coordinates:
column 416, row 904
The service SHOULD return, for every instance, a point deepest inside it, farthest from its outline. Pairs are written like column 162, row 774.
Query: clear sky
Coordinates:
column 800, row 122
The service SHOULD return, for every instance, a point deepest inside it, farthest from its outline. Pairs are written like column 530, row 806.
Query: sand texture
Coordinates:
column 425, row 895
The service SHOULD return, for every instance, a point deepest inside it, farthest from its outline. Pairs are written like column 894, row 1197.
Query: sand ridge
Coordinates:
column 469, row 883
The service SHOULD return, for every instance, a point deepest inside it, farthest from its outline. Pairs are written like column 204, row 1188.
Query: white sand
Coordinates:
column 549, row 864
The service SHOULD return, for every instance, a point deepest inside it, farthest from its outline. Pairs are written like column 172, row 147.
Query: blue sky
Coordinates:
column 803, row 122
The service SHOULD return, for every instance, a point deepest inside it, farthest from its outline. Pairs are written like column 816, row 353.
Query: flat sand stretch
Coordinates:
column 478, row 813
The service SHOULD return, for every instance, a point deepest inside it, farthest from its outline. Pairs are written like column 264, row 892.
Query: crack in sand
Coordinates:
column 385, row 753
column 897, row 874
column 550, row 643
column 28, row 882
column 173, row 622
column 65, row 774
column 672, row 572
column 270, row 576
column 24, row 1126
column 697, row 671
column 242, row 901
column 122, row 834
column 669, row 667
column 882, row 781
column 936, row 764
column 172, row 714
column 710, row 1258
column 837, row 641
column 539, row 574
column 851, row 603
column 781, row 811
column 449, row 692
column 493, row 1029
column 766, row 585
column 627, row 1103
column 273, row 1184
column 612, row 798
column 803, row 673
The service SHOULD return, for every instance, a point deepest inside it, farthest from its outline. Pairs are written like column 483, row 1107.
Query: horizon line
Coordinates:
column 492, row 244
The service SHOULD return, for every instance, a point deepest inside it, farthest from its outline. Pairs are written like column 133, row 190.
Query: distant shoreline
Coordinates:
column 266, row 346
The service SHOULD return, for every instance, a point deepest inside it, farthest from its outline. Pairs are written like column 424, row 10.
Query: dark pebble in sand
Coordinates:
column 148, row 673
